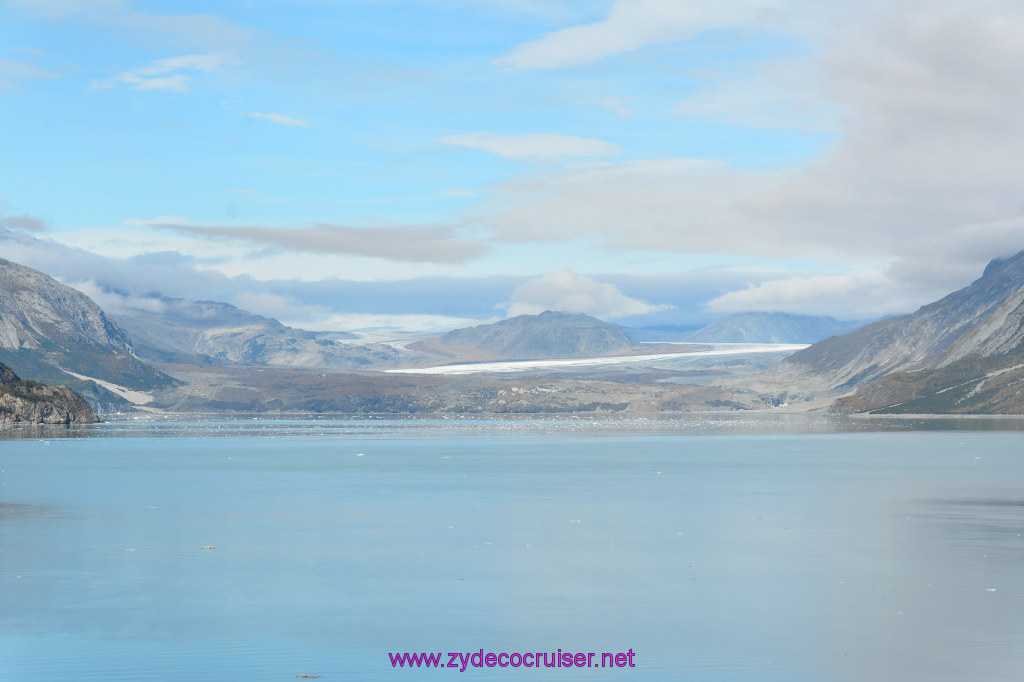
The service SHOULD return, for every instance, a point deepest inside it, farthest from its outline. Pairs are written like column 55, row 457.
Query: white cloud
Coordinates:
column 857, row 295
column 923, row 175
column 395, row 325
column 292, row 312
column 142, row 222
column 617, row 105
column 922, row 180
column 280, row 119
column 114, row 302
column 309, row 291
column 59, row 9
column 11, row 72
column 674, row 204
column 176, row 83
column 457, row 192
column 164, row 74
column 567, row 291
column 534, row 146
column 209, row 63
column 11, row 69
column 194, row 31
column 633, row 24
column 406, row 243
column 276, row 306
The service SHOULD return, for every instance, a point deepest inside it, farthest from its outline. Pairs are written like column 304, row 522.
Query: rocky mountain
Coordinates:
column 962, row 353
column 530, row 337
column 208, row 332
column 47, row 327
column 7, row 375
column 34, row 403
column 771, row 328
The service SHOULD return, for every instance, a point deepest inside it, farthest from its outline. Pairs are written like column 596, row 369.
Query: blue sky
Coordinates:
column 345, row 164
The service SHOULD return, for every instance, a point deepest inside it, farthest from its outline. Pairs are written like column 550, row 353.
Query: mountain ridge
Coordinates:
column 957, row 354
column 47, row 327
column 211, row 332
column 551, row 334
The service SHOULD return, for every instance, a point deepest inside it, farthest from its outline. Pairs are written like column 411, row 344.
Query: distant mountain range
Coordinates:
column 961, row 354
column 530, row 337
column 771, row 328
column 207, row 332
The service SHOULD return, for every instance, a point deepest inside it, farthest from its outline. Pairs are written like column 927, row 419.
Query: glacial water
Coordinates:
column 763, row 549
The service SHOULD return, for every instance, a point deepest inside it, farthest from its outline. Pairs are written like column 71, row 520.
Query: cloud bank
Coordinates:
column 918, row 192
column 420, row 244
column 569, row 292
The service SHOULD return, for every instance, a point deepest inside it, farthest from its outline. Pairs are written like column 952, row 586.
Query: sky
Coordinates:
column 427, row 164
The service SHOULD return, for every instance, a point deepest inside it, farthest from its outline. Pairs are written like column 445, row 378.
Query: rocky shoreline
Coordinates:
column 30, row 402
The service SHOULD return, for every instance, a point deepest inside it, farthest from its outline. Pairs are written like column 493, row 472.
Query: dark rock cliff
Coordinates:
column 34, row 403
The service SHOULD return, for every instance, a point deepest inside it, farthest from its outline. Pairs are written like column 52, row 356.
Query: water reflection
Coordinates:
column 262, row 426
column 860, row 555
column 936, row 594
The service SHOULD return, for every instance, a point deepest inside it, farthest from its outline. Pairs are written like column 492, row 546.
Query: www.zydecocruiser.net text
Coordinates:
column 462, row 660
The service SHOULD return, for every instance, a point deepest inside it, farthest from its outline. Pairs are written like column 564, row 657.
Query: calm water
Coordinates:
column 722, row 549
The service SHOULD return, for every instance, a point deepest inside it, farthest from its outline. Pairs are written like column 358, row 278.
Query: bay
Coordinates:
column 714, row 548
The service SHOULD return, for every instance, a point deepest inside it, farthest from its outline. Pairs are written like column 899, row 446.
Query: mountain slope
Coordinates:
column 913, row 341
column 959, row 354
column 771, row 328
column 205, row 332
column 531, row 337
column 47, row 327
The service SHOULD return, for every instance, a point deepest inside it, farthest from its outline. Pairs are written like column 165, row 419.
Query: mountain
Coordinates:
column 771, row 328
column 530, row 337
column 962, row 353
column 49, row 331
column 208, row 332
column 34, row 403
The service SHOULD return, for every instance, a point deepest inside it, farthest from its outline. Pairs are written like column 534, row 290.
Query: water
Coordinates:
column 716, row 549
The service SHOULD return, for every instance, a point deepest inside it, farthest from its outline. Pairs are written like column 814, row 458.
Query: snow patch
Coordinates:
column 527, row 365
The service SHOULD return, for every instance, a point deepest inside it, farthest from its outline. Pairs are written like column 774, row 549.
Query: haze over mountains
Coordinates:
column 554, row 334
column 199, row 332
column 762, row 327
